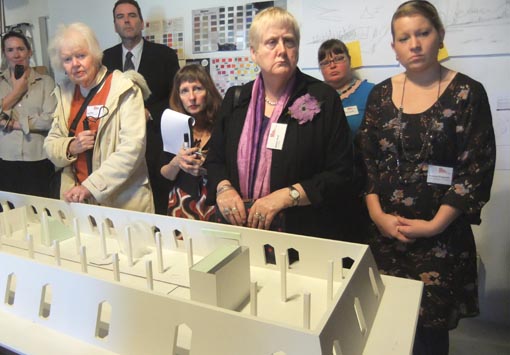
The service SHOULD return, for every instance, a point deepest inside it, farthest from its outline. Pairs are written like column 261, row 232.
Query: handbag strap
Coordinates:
column 237, row 93
column 90, row 96
column 74, row 124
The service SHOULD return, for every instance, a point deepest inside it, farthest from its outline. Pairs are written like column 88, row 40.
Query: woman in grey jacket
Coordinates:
column 98, row 134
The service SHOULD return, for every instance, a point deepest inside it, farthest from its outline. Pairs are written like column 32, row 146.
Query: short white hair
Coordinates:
column 74, row 34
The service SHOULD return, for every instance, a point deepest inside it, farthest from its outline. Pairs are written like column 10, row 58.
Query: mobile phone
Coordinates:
column 186, row 140
column 18, row 71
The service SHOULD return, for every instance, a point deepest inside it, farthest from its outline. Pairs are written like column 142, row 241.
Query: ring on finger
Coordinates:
column 262, row 218
column 257, row 215
column 234, row 209
column 226, row 211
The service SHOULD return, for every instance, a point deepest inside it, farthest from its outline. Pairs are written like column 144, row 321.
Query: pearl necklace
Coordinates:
column 269, row 102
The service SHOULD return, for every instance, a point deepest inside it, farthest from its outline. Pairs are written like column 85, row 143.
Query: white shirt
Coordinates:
column 137, row 54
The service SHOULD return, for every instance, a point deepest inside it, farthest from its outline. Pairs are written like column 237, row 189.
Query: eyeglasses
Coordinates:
column 337, row 60
column 197, row 90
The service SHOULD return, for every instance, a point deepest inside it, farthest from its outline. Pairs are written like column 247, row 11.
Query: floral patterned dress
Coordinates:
column 455, row 132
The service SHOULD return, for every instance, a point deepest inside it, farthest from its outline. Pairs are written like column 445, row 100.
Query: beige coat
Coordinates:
column 34, row 113
column 119, row 173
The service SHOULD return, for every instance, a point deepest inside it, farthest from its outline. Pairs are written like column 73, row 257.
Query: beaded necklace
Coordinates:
column 427, row 140
column 353, row 82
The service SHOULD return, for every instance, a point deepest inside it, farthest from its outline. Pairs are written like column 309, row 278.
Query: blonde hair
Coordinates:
column 74, row 35
column 418, row 7
column 269, row 17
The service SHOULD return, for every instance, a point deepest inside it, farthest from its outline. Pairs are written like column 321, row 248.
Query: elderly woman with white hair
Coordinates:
column 98, row 134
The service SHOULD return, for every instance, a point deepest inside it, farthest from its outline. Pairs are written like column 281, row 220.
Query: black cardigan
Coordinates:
column 317, row 154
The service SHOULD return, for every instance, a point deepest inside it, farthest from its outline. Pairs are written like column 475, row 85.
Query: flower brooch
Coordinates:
column 304, row 108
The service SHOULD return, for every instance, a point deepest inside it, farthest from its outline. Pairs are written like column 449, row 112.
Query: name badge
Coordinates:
column 94, row 111
column 276, row 136
column 351, row 110
column 439, row 175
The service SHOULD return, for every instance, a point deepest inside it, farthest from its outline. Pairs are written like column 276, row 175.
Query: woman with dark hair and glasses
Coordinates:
column 335, row 65
column 26, row 108
column 98, row 137
column 429, row 148
column 194, row 94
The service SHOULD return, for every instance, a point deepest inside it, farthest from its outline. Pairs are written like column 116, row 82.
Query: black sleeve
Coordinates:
column 216, row 156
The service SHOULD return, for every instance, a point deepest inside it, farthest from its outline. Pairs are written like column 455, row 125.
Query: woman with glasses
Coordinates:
column 193, row 94
column 429, row 148
column 335, row 65
column 98, row 136
column 280, row 156
column 26, row 107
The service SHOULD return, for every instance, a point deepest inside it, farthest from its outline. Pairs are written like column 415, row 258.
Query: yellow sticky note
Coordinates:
column 443, row 54
column 354, row 48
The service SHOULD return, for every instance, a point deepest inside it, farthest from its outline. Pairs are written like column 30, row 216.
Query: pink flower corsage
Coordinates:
column 305, row 108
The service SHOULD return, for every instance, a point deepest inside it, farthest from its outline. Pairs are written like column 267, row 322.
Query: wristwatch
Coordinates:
column 294, row 195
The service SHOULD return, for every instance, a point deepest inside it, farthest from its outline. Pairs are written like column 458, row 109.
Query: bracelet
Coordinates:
column 69, row 156
column 223, row 189
column 6, row 125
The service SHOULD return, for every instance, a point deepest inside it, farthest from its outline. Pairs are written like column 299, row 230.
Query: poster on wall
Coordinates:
column 169, row 32
column 204, row 62
column 224, row 28
column 231, row 71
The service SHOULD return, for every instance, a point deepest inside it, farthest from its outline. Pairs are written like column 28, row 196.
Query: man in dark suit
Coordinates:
column 158, row 65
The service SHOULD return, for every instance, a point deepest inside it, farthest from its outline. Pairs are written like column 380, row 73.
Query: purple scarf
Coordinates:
column 247, row 150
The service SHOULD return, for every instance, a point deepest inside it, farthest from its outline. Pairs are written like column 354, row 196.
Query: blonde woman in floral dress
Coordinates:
column 428, row 145
column 282, row 146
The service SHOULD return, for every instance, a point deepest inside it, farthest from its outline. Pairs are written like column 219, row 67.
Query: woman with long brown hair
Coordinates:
column 194, row 94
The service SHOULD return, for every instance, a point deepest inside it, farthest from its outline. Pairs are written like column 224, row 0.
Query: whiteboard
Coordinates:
column 473, row 27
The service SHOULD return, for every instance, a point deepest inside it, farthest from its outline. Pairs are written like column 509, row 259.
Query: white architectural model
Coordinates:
column 82, row 279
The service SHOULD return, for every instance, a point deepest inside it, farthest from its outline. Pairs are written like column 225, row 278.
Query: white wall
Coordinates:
column 493, row 236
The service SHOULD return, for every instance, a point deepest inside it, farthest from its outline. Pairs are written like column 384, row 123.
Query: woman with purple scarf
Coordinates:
column 280, row 155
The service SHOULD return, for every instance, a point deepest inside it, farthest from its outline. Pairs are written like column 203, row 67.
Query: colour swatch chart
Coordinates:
column 227, row 72
column 169, row 32
column 222, row 28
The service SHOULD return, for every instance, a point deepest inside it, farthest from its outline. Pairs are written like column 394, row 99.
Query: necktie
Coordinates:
column 128, row 64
